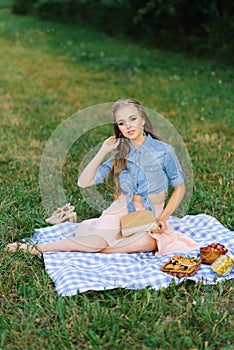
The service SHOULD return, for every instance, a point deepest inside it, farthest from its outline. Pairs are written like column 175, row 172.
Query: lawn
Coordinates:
column 49, row 71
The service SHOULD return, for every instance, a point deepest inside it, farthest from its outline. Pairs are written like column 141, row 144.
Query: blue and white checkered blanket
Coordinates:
column 75, row 271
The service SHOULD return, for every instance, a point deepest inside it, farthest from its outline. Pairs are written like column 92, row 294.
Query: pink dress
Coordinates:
column 107, row 227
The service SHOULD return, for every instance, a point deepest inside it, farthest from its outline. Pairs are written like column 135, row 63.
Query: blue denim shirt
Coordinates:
column 152, row 166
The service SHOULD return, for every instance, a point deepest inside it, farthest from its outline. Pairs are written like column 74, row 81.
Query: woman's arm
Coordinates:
column 172, row 204
column 86, row 178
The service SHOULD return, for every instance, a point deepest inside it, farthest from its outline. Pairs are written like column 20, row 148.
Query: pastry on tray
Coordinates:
column 180, row 266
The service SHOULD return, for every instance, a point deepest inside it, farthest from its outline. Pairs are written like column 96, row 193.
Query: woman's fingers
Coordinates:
column 111, row 143
column 161, row 226
column 112, row 140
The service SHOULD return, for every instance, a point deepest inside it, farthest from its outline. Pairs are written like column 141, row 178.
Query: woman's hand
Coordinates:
column 86, row 178
column 110, row 144
column 162, row 226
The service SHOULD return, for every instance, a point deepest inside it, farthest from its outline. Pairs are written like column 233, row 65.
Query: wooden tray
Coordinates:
column 181, row 271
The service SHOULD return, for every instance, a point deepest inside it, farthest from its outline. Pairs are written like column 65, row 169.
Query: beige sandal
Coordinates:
column 26, row 248
column 63, row 214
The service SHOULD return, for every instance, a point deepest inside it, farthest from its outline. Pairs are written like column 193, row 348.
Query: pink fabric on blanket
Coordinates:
column 173, row 241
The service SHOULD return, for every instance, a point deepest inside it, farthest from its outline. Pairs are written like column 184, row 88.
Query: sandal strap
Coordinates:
column 62, row 212
column 67, row 207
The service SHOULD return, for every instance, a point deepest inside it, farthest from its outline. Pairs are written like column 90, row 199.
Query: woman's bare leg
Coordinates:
column 71, row 245
column 63, row 245
column 143, row 244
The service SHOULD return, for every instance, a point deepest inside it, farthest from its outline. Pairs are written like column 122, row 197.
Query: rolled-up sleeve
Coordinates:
column 173, row 168
column 102, row 171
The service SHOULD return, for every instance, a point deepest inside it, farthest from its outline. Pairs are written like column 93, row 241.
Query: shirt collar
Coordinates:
column 147, row 142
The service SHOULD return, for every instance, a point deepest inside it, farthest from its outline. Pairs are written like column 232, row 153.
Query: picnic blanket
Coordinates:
column 74, row 272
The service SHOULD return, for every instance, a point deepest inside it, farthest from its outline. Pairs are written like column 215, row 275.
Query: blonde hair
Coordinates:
column 120, row 158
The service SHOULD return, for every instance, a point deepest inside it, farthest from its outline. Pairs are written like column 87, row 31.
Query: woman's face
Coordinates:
column 130, row 123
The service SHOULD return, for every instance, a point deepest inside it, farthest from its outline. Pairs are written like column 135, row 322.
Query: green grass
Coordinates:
column 49, row 71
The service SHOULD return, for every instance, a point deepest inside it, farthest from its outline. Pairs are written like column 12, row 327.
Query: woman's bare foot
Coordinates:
column 26, row 248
